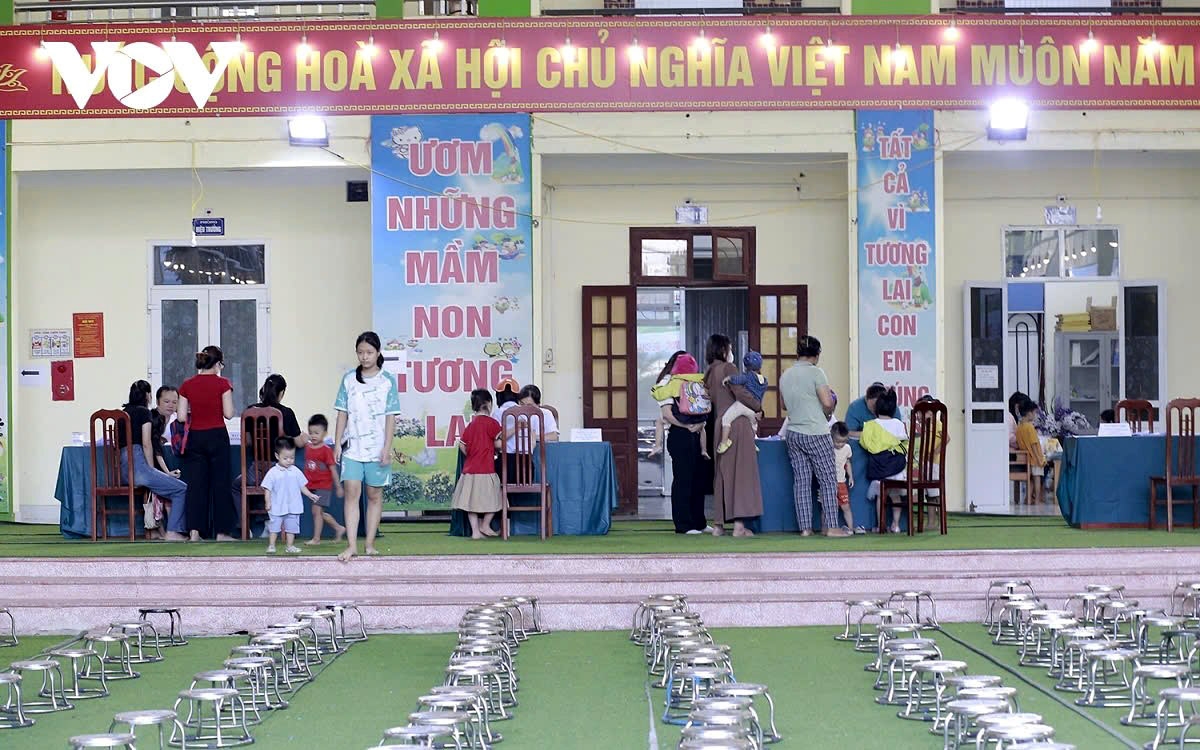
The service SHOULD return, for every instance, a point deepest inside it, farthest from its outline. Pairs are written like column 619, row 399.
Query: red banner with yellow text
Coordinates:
column 596, row 65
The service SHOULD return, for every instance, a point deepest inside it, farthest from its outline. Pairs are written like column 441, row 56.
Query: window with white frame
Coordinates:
column 1067, row 252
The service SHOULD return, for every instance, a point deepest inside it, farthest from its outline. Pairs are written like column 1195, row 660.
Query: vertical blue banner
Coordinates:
column 897, row 262
column 452, row 280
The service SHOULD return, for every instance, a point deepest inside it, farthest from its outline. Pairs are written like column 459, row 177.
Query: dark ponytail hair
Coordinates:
column 139, row 394
column 372, row 338
column 808, row 346
column 272, row 390
column 209, row 357
column 885, row 405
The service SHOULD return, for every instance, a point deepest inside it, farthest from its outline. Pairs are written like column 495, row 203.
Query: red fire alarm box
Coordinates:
column 62, row 380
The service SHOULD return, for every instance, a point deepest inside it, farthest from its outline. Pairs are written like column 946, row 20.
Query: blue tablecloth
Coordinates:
column 1106, row 481
column 583, row 484
column 74, row 492
column 779, row 505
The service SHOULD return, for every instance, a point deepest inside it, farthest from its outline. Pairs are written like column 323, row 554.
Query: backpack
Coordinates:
column 693, row 404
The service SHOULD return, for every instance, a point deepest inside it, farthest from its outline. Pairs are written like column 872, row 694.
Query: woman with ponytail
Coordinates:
column 205, row 402
column 144, row 475
column 367, row 404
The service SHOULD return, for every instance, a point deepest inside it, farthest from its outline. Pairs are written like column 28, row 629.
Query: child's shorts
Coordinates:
column 1037, row 471
column 288, row 524
column 843, row 493
column 323, row 498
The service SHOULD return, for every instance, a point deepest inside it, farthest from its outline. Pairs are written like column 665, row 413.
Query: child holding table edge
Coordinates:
column 284, row 485
column 477, row 492
column 322, row 474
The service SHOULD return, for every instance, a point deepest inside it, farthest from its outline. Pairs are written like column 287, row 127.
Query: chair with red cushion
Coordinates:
column 259, row 423
column 1180, row 463
column 112, row 424
column 524, row 478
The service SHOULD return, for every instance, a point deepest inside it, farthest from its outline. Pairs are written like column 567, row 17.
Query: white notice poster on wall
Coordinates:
column 987, row 376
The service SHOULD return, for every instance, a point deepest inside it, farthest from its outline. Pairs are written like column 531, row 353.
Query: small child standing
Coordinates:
column 842, row 453
column 752, row 380
column 321, row 472
column 478, row 490
column 1028, row 441
column 285, row 487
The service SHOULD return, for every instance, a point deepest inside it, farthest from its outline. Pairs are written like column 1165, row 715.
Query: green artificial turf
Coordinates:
column 579, row 691
column 628, row 537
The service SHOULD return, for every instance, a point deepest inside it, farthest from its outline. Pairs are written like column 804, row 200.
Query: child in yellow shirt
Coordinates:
column 1028, row 441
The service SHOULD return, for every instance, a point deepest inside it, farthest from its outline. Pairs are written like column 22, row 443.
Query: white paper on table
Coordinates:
column 1115, row 430
column 586, row 435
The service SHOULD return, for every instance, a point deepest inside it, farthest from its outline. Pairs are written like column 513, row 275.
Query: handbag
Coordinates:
column 885, row 465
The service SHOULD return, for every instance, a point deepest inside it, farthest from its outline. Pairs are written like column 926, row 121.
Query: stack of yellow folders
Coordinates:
column 1074, row 323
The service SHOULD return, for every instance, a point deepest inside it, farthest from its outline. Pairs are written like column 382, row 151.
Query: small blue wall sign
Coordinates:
column 208, row 227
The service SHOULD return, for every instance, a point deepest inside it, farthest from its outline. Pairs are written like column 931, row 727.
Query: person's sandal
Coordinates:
column 725, row 445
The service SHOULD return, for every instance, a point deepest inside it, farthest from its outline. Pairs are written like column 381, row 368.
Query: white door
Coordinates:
column 985, row 322
column 1141, row 310
column 185, row 319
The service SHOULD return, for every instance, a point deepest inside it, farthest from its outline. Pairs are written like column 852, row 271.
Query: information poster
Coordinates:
column 452, row 278
column 89, row 334
column 897, row 260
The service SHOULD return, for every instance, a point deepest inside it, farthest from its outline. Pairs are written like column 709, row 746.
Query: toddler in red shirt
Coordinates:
column 478, row 490
column 320, row 469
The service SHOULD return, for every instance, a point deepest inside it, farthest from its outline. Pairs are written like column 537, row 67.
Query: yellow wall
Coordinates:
column 319, row 284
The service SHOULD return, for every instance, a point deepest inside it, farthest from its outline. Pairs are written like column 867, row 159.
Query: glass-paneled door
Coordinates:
column 985, row 312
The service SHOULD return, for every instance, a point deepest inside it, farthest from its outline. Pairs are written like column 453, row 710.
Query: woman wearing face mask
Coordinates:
column 737, row 494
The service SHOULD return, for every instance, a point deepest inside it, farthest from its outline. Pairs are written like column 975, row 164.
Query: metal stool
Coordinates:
column 896, row 645
column 1108, row 678
column 1039, row 647
column 9, row 638
column 78, row 742
column 294, row 660
column 927, row 689
column 235, row 679
column 694, row 682
column 1142, row 701
column 899, row 670
column 1149, row 636
column 306, row 633
column 1000, row 588
column 1085, row 605
column 324, row 622
column 277, row 653
column 143, row 637
column 1176, row 708
column 737, row 720
column 1118, row 617
column 715, row 744
column 854, row 607
column 889, row 633
column 488, row 679
column 154, row 718
column 1014, row 617
column 753, row 691
column 458, row 722
column 532, row 619
column 174, row 625
column 227, row 713
column 261, row 690
column 1184, row 598
column 1112, row 591
column 960, row 719
column 115, row 658
column 12, row 710
column 479, row 696
column 998, row 692
column 706, row 737
column 996, row 720
column 915, row 598
column 420, row 736
column 642, row 616
column 51, row 697
column 82, row 660
column 1007, row 735
column 1073, row 677
column 507, row 686
column 341, row 608
column 465, row 703
column 873, row 618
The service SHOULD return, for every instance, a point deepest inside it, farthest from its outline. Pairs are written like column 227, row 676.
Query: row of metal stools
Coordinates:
column 1110, row 651
column 220, row 705
column 701, row 691
column 965, row 710
column 481, row 681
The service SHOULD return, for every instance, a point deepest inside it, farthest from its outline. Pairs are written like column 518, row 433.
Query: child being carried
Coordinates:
column 752, row 380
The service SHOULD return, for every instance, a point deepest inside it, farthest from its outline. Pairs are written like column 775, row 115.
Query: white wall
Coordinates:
column 80, row 244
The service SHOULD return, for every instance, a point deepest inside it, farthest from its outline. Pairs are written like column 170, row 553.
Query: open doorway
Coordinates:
column 670, row 319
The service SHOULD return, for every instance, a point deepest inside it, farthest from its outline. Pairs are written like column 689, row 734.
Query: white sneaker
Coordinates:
column 693, row 531
column 707, row 530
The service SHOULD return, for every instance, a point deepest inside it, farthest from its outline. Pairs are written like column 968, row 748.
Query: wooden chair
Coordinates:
column 524, row 477
column 1138, row 413
column 1018, row 473
column 259, row 426
column 554, row 413
column 106, row 473
column 1180, row 463
column 927, row 429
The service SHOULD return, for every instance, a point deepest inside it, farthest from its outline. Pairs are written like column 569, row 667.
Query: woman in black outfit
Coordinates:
column 205, row 402
column 688, row 487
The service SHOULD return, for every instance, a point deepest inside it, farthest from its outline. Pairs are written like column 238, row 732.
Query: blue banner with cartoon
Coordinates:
column 897, row 262
column 452, row 280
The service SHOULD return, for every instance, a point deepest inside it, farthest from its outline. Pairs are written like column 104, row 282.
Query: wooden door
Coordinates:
column 610, row 378
column 778, row 318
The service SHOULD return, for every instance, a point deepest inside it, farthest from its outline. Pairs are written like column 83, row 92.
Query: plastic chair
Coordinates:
column 928, row 432
column 106, row 472
column 1180, row 464
column 1138, row 413
column 259, row 424
column 524, row 477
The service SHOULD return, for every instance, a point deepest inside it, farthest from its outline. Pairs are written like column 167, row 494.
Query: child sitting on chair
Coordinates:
column 1028, row 441
column 752, row 380
column 885, row 439
column 286, row 489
